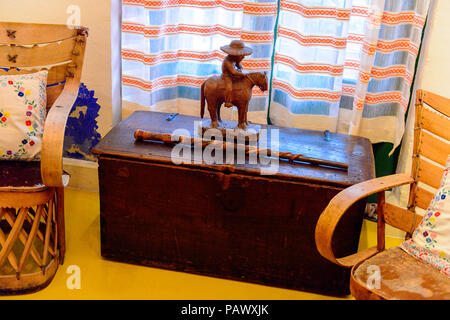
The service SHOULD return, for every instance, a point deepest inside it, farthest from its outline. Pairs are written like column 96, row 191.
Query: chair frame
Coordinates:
column 41, row 207
column 400, row 218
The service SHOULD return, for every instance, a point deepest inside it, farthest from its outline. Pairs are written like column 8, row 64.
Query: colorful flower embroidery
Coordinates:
column 431, row 240
column 29, row 124
column 441, row 261
column 4, row 118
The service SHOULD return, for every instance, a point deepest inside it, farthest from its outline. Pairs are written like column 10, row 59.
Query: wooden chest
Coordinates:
column 228, row 221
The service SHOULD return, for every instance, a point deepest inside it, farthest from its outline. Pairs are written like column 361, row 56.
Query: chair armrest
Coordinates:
column 55, row 123
column 53, row 139
column 330, row 217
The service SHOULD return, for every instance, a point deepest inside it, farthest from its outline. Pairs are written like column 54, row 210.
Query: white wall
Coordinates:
column 435, row 73
column 98, row 68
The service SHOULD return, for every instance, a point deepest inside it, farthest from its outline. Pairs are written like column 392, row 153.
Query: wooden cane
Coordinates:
column 141, row 135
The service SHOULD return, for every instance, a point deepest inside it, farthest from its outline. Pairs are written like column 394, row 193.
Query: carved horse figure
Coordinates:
column 213, row 91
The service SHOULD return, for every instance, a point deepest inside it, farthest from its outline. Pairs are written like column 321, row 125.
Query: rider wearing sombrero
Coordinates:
column 231, row 66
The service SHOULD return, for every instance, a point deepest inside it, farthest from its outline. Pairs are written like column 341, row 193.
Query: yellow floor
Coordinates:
column 102, row 279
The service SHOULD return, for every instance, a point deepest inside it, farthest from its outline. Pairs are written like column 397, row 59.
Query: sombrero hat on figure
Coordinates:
column 237, row 48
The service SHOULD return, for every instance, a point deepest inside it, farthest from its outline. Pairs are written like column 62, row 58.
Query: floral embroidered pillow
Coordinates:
column 446, row 176
column 23, row 100
column 431, row 240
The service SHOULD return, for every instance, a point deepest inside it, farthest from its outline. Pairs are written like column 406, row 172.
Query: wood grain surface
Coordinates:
column 228, row 221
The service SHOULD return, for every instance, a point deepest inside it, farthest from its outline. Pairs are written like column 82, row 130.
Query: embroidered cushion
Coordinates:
column 446, row 176
column 431, row 240
column 23, row 100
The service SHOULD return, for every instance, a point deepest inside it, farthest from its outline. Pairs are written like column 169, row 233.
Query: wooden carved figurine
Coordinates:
column 233, row 87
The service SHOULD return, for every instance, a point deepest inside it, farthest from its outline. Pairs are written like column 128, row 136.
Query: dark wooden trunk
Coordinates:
column 228, row 221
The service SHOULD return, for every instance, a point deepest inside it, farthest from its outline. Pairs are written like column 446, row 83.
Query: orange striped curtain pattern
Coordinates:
column 340, row 65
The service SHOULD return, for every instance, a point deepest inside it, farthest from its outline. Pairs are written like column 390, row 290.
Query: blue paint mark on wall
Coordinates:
column 81, row 131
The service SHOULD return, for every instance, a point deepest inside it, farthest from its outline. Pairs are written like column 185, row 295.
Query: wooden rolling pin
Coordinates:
column 141, row 135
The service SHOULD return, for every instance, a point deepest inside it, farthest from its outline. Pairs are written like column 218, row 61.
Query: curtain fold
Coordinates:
column 316, row 52
column 346, row 66
column 170, row 47
column 383, row 91
column 339, row 65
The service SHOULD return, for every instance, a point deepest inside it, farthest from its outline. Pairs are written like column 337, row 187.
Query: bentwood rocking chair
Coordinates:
column 32, row 232
column 401, row 276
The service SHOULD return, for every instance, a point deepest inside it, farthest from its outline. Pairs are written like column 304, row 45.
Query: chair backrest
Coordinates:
column 430, row 152
column 431, row 147
column 28, row 48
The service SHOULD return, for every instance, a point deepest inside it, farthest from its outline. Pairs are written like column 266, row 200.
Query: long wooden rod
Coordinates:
column 141, row 135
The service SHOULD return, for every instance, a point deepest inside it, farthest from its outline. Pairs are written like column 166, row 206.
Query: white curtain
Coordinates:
column 338, row 65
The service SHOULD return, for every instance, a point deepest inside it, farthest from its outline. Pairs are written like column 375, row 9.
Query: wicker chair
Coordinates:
column 32, row 232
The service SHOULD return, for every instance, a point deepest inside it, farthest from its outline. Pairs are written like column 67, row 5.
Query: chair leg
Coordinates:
column 61, row 223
